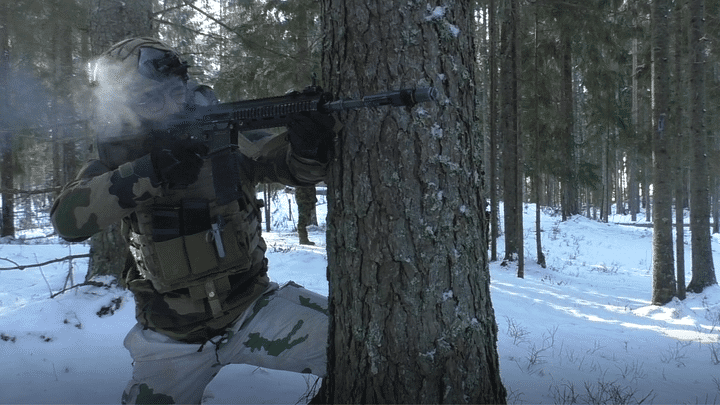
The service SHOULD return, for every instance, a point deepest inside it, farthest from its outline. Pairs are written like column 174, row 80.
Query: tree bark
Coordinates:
column 663, row 262
column 112, row 21
column 410, row 313
column 569, row 172
column 6, row 137
column 679, row 126
column 509, row 131
column 537, row 150
column 493, row 167
column 703, row 270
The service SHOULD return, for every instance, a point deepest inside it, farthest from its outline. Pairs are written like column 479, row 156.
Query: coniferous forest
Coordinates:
column 580, row 104
column 588, row 108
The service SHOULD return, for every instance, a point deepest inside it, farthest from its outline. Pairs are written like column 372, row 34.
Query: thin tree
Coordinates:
column 663, row 262
column 678, row 124
column 493, row 166
column 410, row 313
column 536, row 150
column 111, row 22
column 568, row 154
column 703, row 270
column 6, row 136
column 509, row 131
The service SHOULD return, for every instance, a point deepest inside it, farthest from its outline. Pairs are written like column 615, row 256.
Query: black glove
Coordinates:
column 311, row 134
column 178, row 165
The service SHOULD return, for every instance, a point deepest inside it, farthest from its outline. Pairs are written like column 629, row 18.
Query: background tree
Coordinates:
column 410, row 312
column 492, row 168
column 679, row 126
column 111, row 21
column 663, row 262
column 6, row 136
column 510, row 132
column 703, row 271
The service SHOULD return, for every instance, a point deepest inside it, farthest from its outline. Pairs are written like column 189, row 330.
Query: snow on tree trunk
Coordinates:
column 411, row 316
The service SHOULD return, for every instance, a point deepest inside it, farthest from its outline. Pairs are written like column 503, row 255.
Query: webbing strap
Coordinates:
column 213, row 298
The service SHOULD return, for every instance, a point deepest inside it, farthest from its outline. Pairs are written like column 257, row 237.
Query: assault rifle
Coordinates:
column 218, row 127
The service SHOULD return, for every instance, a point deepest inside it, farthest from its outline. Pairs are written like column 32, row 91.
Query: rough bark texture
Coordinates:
column 569, row 172
column 509, row 131
column 663, row 261
column 111, row 21
column 6, row 137
column 411, row 316
column 679, row 125
column 703, row 271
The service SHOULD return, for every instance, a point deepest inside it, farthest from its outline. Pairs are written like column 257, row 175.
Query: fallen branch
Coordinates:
column 92, row 283
column 26, row 266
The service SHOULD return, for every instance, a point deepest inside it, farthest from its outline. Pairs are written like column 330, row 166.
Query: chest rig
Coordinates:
column 185, row 243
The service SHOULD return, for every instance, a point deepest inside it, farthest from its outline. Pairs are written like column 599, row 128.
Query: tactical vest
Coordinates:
column 184, row 240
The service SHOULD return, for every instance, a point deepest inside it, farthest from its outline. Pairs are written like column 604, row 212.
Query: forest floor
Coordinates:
column 581, row 330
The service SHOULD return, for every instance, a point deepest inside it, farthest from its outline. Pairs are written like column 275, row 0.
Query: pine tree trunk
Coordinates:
column 679, row 126
column 509, row 131
column 112, row 21
column 537, row 150
column 6, row 137
column 703, row 271
column 635, row 200
column 410, row 312
column 569, row 179
column 493, row 167
column 663, row 262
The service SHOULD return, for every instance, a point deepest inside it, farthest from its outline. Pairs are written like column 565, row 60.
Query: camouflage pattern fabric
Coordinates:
column 199, row 260
column 306, row 200
column 285, row 329
column 101, row 196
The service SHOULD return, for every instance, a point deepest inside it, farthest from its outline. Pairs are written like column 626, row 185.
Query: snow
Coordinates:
column 582, row 330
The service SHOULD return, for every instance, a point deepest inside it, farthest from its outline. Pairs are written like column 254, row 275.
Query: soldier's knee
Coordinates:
column 143, row 394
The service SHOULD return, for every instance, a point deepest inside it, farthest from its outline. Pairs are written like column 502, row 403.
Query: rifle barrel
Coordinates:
column 397, row 98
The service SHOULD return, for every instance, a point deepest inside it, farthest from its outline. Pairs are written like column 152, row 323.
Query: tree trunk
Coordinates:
column 663, row 262
column 493, row 168
column 605, row 199
column 634, row 197
column 569, row 181
column 112, row 21
column 537, row 149
column 679, row 125
column 509, row 128
column 410, row 313
column 703, row 271
column 64, row 149
column 6, row 137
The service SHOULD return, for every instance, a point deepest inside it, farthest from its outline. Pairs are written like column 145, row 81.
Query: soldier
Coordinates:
column 306, row 200
column 197, row 309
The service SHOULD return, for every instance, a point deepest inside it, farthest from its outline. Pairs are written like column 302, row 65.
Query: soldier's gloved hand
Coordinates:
column 178, row 165
column 311, row 134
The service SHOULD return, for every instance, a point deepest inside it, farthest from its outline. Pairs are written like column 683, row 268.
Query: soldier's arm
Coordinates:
column 278, row 163
column 99, row 197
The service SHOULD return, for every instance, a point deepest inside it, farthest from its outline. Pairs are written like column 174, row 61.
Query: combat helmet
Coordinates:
column 137, row 80
column 152, row 58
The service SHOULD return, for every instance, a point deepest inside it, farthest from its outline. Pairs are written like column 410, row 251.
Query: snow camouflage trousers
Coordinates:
column 285, row 329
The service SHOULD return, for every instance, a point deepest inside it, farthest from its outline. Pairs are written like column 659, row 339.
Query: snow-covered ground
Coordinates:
column 580, row 331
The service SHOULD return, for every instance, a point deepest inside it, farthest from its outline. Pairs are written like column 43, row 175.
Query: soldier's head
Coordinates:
column 136, row 82
column 147, row 75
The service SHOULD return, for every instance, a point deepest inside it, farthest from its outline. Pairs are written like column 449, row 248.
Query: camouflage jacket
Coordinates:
column 183, row 286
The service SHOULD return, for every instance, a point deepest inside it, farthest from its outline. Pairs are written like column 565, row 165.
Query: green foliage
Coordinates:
column 246, row 49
